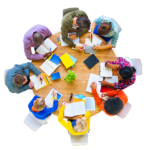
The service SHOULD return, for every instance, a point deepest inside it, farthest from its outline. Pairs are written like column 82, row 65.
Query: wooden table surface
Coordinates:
column 78, row 86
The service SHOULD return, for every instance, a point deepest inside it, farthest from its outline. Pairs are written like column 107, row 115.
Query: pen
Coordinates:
column 41, row 80
column 58, row 41
column 91, row 37
column 84, row 45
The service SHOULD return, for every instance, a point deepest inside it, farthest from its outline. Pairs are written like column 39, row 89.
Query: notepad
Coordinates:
column 95, row 41
column 73, row 59
column 94, row 78
column 88, row 49
column 55, row 76
column 74, row 109
column 105, row 72
column 48, row 67
column 113, row 79
column 55, row 59
column 66, row 60
column 91, row 61
column 50, row 98
column 90, row 103
column 46, row 47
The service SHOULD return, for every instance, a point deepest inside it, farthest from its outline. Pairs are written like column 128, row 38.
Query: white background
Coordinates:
column 133, row 132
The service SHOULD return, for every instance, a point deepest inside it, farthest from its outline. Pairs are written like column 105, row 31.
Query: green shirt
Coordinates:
column 67, row 22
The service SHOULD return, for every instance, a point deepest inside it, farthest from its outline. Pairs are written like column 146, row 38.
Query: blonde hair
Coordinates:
column 39, row 104
column 81, row 126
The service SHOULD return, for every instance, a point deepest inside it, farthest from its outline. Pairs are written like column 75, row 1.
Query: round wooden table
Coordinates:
column 82, row 72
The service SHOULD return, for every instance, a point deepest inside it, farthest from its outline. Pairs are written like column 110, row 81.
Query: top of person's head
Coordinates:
column 127, row 72
column 83, row 22
column 81, row 126
column 37, row 38
column 19, row 79
column 39, row 104
column 113, row 105
column 104, row 28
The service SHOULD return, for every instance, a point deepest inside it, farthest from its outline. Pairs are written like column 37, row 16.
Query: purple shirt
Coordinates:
column 28, row 41
column 123, row 83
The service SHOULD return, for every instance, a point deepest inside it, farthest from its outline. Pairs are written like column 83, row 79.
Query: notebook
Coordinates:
column 46, row 47
column 66, row 60
column 105, row 72
column 74, row 41
column 73, row 59
column 94, row 78
column 74, row 109
column 95, row 41
column 55, row 59
column 88, row 49
column 91, row 61
column 55, row 76
column 50, row 98
column 37, row 84
column 113, row 79
column 48, row 67
column 90, row 103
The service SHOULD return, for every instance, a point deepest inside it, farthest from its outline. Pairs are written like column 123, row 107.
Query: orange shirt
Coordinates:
column 114, row 93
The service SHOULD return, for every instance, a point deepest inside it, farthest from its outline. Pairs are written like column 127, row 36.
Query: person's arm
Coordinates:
column 114, row 93
column 108, row 46
column 31, row 67
column 60, row 118
column 28, row 53
column 115, row 39
column 54, row 108
column 93, row 27
column 87, row 114
column 31, row 102
column 48, row 32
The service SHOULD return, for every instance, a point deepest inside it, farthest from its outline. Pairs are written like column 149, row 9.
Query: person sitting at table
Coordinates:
column 38, row 108
column 73, row 20
column 75, row 127
column 115, row 102
column 17, row 78
column 107, row 29
column 34, row 38
column 126, row 73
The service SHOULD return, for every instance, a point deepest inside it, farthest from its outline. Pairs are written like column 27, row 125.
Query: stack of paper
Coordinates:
column 105, row 72
column 90, row 103
column 96, row 79
column 113, row 79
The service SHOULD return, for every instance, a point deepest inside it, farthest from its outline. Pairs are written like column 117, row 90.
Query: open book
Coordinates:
column 46, row 47
column 48, row 67
column 74, row 109
column 113, row 79
column 94, row 78
column 105, row 72
column 95, row 41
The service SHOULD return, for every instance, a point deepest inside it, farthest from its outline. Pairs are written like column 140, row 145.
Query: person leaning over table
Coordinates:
column 115, row 102
column 75, row 127
column 74, row 19
column 126, row 73
column 38, row 108
column 107, row 29
column 17, row 78
column 34, row 38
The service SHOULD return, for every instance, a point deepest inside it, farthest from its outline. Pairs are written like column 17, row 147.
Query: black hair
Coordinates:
column 113, row 105
column 127, row 72
column 83, row 22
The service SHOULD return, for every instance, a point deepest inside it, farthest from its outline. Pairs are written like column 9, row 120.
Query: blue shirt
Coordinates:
column 115, row 29
column 23, row 69
column 45, row 112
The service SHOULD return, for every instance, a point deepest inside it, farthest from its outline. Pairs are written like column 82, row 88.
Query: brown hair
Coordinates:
column 104, row 28
column 81, row 126
column 39, row 104
column 19, row 79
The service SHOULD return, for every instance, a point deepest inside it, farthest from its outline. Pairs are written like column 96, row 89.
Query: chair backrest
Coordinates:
column 65, row 11
column 77, row 140
column 119, row 27
column 125, row 111
column 136, row 63
column 5, row 72
column 32, row 122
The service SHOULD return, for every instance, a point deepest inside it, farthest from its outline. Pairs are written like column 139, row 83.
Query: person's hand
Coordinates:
column 95, row 47
column 80, row 48
column 46, row 55
column 72, row 36
column 55, row 94
column 83, row 118
column 114, row 66
column 103, row 83
column 104, row 94
column 64, row 103
column 31, row 84
column 93, row 85
column 40, row 77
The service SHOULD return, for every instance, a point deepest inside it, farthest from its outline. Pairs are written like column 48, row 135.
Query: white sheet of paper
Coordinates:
column 94, row 78
column 42, row 50
column 113, row 79
column 74, row 109
column 105, row 72
column 95, row 41
column 90, row 103
column 49, row 44
column 37, row 83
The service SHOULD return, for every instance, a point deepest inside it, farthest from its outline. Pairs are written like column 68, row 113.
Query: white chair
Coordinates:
column 125, row 111
column 5, row 72
column 119, row 27
column 79, row 139
column 136, row 63
column 32, row 122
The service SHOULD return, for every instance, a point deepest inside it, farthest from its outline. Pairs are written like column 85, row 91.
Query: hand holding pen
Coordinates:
column 40, row 77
